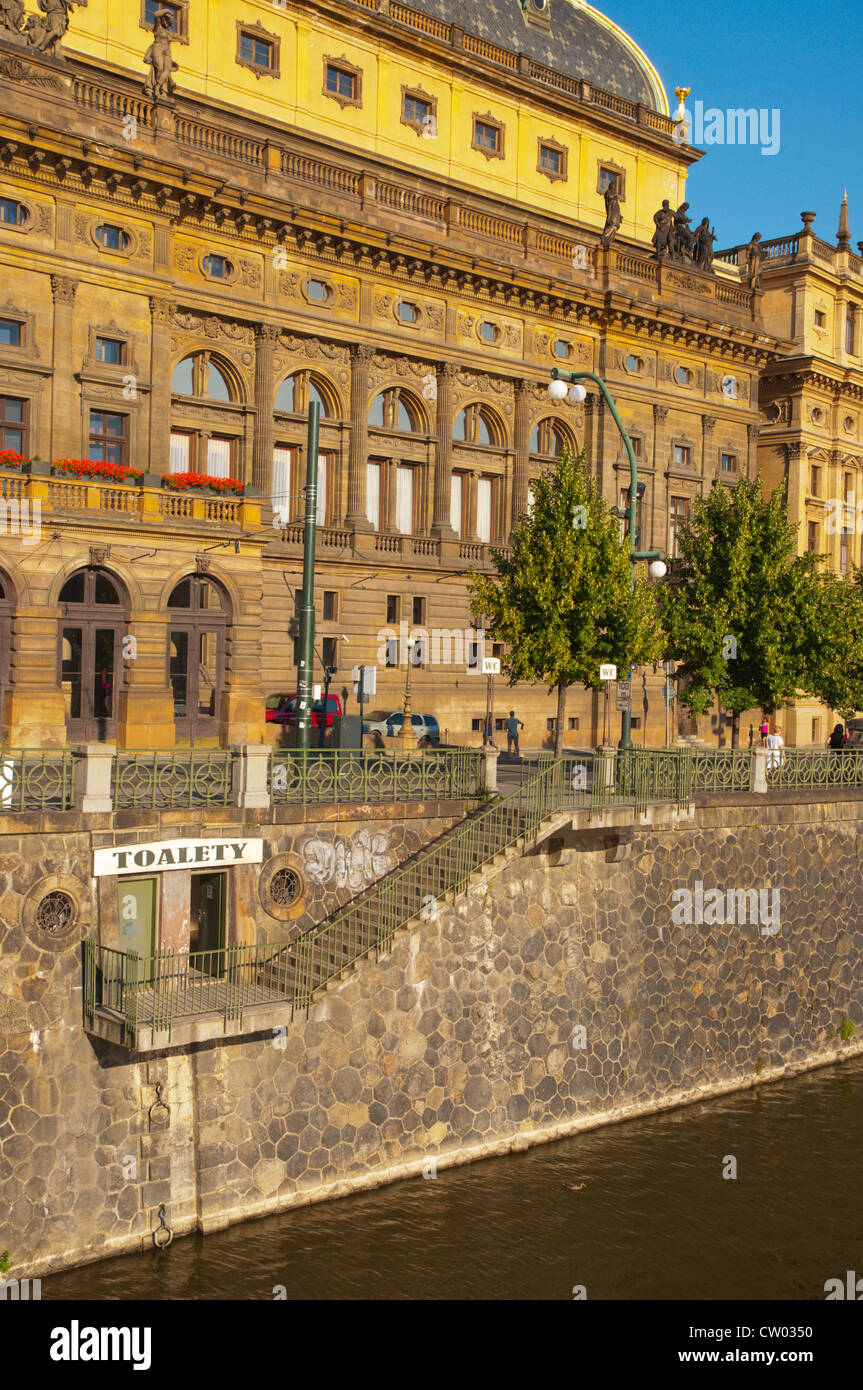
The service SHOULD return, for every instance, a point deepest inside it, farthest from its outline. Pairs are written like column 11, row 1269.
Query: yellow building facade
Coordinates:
column 395, row 211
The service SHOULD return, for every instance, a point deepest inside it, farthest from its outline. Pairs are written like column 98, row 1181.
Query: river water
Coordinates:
column 655, row 1218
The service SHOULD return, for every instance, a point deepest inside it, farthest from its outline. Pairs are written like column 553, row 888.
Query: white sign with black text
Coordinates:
column 156, row 857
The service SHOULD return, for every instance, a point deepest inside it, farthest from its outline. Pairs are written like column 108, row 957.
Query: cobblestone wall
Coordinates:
column 567, row 989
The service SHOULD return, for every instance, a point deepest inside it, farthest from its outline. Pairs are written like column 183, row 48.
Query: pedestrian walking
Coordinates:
column 774, row 743
column 836, row 744
column 765, row 730
column 512, row 726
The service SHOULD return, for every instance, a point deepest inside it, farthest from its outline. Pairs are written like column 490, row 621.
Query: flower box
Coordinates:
column 9, row 459
column 202, row 482
column 90, row 470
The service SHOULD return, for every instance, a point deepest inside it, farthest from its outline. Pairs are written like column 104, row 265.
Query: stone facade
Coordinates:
column 559, row 993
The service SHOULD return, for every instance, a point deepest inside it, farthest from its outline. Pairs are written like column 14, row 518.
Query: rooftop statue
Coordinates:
column 755, row 258
column 44, row 31
column 11, row 15
column 160, row 83
column 613, row 215
column 675, row 238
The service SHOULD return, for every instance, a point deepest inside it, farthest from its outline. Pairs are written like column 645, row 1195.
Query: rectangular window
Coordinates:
column 181, row 453
column 531, row 499
column 256, row 51
column 331, row 606
column 10, row 333
column 405, row 500
column 816, row 731
column 393, row 610
column 551, row 725
column 283, row 467
column 573, row 724
column 456, row 509
column 849, row 488
column 341, row 83
column 13, row 423
column 820, row 318
column 812, row 536
column 108, row 437
column 416, row 109
column 486, row 509
column 476, row 726
column 219, row 455
column 322, row 513
column 373, row 494
column 845, row 550
column 487, row 137
column 636, row 442
column 815, row 480
column 682, row 455
column 152, row 7
column 419, row 612
column 728, row 463
column 678, row 517
column 329, row 652
column 551, row 159
column 110, row 350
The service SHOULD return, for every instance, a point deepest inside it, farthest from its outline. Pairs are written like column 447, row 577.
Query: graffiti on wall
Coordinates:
column 349, row 863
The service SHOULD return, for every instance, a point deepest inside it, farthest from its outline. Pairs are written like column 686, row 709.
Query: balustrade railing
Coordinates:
column 173, row 779
column 814, row 767
column 36, row 781
column 341, row 776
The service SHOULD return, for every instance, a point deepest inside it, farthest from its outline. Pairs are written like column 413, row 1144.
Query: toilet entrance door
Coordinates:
column 207, row 922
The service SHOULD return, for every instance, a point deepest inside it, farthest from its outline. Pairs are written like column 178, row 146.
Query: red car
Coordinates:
column 282, row 709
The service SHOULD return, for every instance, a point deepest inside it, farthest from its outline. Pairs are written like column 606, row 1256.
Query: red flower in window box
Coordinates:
column 180, row 481
column 89, row 468
column 9, row 459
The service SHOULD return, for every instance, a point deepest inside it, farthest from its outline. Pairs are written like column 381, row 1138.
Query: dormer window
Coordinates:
column 537, row 13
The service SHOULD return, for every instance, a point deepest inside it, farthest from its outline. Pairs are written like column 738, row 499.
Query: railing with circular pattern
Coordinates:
column 35, row 781
column 342, row 776
column 814, row 767
column 174, row 779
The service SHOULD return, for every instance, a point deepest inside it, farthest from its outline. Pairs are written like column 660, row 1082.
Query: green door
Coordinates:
column 209, row 889
column 137, row 922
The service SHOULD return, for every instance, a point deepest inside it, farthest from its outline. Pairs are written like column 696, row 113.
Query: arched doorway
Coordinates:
column 196, row 656
column 93, row 618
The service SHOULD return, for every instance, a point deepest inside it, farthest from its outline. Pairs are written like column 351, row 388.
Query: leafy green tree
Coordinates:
column 563, row 601
column 834, row 655
column 742, row 613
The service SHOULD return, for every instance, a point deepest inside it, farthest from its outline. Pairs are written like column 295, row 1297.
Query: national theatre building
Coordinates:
column 213, row 214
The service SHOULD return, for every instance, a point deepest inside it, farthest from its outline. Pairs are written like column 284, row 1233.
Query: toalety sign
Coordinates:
column 175, row 854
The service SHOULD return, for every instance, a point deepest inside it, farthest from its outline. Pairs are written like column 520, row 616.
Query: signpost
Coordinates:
column 624, row 695
column 607, row 674
column 490, row 668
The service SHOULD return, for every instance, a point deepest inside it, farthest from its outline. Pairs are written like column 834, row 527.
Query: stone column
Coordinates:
column 159, row 460
column 708, row 424
column 521, row 441
column 797, row 486
column 441, row 520
column 660, row 462
column 361, row 356
column 753, row 432
column 66, row 441
column 266, row 338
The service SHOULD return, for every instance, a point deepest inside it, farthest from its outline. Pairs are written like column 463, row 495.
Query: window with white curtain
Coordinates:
column 373, row 494
column 405, row 500
column 484, row 500
column 456, row 509
column 531, row 500
column 283, row 460
column 218, row 457
column 181, row 453
column 321, row 513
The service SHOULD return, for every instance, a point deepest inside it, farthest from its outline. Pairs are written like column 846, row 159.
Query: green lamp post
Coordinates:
column 558, row 390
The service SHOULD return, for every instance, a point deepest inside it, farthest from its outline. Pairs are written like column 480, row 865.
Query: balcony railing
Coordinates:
column 140, row 502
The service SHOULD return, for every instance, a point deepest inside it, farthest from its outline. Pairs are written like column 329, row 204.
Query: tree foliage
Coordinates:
column 563, row 601
column 743, row 612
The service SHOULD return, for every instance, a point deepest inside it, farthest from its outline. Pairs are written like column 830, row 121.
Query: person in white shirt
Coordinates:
column 774, row 743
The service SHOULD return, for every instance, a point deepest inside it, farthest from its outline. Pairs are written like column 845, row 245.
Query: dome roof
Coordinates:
column 579, row 41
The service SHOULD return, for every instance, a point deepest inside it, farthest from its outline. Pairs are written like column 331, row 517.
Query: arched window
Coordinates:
column 298, row 392
column 548, row 439
column 93, row 619
column 196, row 646
column 476, row 425
column 395, row 409
column 198, row 376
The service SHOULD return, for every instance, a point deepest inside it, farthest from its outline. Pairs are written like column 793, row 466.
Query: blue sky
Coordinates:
column 807, row 61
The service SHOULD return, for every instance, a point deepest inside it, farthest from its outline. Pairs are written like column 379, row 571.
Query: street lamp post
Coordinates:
column 408, row 740
column 307, row 612
column 558, row 392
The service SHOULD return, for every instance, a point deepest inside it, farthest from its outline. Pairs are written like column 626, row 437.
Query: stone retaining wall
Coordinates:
column 565, row 990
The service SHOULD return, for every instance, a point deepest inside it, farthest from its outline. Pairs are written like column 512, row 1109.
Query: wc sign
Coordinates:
column 160, row 855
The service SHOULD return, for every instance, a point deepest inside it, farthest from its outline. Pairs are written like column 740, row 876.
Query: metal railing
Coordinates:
column 722, row 770
column 154, row 991
column 34, row 781
column 176, row 779
column 814, row 767
column 341, row 776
